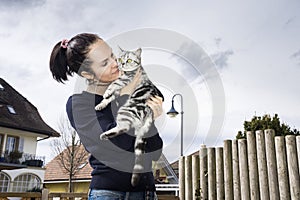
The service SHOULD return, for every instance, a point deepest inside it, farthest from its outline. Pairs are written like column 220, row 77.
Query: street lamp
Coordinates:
column 173, row 113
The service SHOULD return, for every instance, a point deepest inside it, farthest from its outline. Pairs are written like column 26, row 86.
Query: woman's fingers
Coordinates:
column 155, row 103
column 157, row 99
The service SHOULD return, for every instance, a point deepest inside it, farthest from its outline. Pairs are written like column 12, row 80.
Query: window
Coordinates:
column 1, row 87
column 11, row 109
column 25, row 182
column 4, row 182
column 1, row 144
column 11, row 144
column 21, row 144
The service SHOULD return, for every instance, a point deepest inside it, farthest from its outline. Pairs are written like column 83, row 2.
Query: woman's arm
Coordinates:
column 155, row 143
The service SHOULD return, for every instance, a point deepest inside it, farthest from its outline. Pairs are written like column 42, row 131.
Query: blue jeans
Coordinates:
column 117, row 195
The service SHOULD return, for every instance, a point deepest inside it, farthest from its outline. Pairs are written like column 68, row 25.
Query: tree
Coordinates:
column 69, row 151
column 267, row 122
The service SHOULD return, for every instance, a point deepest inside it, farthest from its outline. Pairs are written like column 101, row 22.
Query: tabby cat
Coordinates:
column 134, row 113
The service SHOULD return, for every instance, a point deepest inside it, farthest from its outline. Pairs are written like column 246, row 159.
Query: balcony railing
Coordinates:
column 23, row 159
column 33, row 160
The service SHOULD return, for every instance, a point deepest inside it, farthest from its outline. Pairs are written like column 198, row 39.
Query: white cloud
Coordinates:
column 252, row 51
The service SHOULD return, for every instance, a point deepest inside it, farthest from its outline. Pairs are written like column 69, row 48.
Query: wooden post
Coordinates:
column 271, row 164
column 298, row 150
column 45, row 194
column 244, row 178
column 235, row 175
column 181, row 168
column 262, row 165
column 188, row 178
column 211, row 163
column 203, row 173
column 252, row 163
column 293, row 166
column 220, row 173
column 195, row 176
column 282, row 170
column 228, row 180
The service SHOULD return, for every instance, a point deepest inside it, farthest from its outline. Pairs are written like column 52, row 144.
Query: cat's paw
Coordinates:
column 109, row 134
column 103, row 136
column 100, row 106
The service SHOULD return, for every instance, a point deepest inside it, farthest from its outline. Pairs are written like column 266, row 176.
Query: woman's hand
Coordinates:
column 155, row 103
column 130, row 87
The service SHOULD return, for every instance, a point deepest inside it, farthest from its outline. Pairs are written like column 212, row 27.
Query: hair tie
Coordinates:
column 64, row 43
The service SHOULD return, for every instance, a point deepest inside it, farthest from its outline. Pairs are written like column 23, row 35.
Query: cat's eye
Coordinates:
column 120, row 60
column 129, row 61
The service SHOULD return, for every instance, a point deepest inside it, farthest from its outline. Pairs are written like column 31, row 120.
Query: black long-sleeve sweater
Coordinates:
column 112, row 160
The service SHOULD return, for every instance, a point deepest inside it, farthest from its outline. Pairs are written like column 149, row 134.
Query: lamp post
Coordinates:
column 173, row 113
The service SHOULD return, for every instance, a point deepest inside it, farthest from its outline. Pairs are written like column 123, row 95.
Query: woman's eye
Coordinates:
column 104, row 64
column 129, row 60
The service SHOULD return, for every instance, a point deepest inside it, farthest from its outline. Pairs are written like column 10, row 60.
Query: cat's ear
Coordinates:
column 121, row 50
column 138, row 52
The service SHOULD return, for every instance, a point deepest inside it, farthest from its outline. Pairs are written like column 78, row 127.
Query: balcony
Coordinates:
column 17, row 160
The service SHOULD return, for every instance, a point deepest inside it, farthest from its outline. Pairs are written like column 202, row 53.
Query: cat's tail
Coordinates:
column 138, row 165
column 135, row 179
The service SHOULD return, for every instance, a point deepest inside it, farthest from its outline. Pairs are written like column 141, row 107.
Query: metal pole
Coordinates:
column 181, row 150
column 181, row 134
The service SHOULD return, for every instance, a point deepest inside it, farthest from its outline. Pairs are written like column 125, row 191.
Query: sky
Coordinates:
column 253, row 49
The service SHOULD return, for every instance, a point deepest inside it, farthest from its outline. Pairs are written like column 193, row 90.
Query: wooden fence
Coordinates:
column 261, row 167
column 42, row 196
column 62, row 196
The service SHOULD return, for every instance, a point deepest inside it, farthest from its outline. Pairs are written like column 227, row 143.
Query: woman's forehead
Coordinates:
column 100, row 51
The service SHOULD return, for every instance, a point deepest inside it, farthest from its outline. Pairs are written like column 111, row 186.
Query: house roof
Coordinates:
column 18, row 113
column 55, row 171
column 165, row 165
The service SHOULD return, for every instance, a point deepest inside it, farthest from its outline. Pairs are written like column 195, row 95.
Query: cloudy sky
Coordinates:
column 255, row 46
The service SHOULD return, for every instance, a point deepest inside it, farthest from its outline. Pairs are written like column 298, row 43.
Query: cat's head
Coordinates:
column 129, row 60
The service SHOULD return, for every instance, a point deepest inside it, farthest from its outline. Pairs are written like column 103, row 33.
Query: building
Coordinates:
column 21, row 127
column 164, row 173
column 57, row 178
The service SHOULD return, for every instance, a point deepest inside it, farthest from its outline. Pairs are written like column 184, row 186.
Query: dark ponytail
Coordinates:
column 65, row 61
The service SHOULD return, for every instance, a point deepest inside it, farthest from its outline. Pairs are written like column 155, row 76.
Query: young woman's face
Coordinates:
column 104, row 64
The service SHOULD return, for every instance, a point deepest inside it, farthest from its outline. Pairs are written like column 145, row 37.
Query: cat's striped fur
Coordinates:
column 134, row 113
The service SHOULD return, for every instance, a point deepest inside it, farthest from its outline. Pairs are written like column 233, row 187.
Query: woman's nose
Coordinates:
column 114, row 63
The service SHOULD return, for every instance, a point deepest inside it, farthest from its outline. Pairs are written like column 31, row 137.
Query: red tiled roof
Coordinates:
column 26, row 118
column 55, row 171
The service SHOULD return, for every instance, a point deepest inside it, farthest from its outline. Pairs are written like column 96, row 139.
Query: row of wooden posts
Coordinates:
column 260, row 167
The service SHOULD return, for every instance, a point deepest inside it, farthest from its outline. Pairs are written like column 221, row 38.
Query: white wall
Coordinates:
column 30, row 139
column 30, row 144
column 40, row 172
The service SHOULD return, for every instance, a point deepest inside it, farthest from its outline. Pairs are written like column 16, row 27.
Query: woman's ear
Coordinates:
column 87, row 75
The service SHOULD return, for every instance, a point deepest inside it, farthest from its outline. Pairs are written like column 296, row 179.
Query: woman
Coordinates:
column 112, row 160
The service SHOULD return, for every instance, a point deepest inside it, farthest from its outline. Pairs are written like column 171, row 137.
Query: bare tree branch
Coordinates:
column 71, row 155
